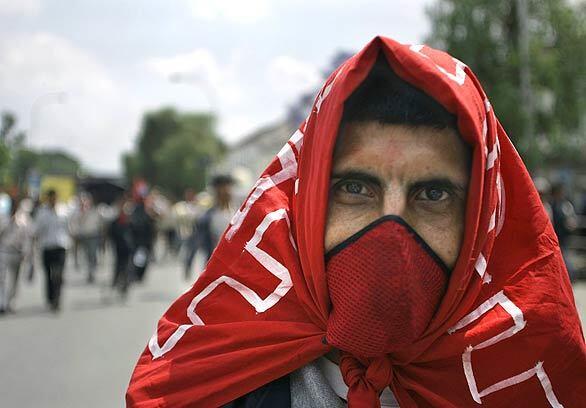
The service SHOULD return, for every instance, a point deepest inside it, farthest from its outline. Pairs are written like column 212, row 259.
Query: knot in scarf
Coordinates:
column 365, row 378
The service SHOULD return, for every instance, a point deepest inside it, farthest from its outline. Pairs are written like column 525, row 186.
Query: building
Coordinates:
column 247, row 159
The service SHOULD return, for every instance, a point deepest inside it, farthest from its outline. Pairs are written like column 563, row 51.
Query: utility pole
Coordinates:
column 34, row 178
column 527, row 105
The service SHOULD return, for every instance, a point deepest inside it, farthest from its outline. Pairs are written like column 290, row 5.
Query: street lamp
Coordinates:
column 198, row 80
column 48, row 98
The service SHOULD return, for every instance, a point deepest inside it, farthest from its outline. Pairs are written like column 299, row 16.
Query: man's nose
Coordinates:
column 394, row 203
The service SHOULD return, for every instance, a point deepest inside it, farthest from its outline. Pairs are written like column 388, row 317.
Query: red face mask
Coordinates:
column 385, row 285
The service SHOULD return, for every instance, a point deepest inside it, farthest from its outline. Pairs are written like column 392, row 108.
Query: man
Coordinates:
column 564, row 220
column 121, row 237
column 88, row 224
column 398, row 234
column 212, row 224
column 143, row 233
column 188, row 213
column 53, row 239
column 15, row 250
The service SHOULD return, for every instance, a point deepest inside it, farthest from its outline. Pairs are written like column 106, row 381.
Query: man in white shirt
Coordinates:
column 53, row 240
column 212, row 224
column 15, row 247
column 88, row 224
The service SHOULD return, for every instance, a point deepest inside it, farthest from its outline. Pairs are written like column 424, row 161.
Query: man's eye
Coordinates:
column 353, row 187
column 352, row 190
column 432, row 194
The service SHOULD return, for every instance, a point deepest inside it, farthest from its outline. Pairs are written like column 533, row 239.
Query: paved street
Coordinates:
column 83, row 357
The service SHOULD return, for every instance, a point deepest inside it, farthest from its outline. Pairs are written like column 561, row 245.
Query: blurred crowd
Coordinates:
column 569, row 222
column 49, row 231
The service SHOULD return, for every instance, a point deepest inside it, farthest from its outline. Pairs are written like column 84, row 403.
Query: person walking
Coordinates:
column 88, row 225
column 15, row 251
column 564, row 222
column 121, row 237
column 142, row 227
column 188, row 213
column 212, row 224
column 51, row 233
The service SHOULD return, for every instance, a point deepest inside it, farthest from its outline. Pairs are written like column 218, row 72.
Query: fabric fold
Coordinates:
column 260, row 309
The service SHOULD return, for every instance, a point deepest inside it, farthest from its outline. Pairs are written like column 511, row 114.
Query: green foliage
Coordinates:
column 174, row 150
column 23, row 161
column 8, row 124
column 8, row 135
column 131, row 165
column 4, row 161
column 17, row 161
column 10, row 141
column 484, row 34
column 57, row 162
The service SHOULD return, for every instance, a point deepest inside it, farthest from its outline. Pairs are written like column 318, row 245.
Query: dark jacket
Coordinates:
column 272, row 395
column 142, row 226
column 203, row 233
column 121, row 236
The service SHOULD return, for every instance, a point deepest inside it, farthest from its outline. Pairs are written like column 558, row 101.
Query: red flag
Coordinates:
column 506, row 333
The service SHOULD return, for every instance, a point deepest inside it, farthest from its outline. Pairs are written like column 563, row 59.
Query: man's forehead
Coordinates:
column 358, row 135
column 401, row 151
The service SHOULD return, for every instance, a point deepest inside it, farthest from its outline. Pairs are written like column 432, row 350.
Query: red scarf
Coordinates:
column 507, row 331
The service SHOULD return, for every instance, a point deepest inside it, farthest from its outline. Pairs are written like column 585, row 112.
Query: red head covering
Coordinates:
column 506, row 333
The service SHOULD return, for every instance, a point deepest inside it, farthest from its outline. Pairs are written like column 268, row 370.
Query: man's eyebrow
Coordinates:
column 357, row 175
column 444, row 182
column 361, row 175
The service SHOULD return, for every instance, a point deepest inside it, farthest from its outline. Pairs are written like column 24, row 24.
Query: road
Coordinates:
column 83, row 357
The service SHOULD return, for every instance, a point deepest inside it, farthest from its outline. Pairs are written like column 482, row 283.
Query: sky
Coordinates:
column 80, row 74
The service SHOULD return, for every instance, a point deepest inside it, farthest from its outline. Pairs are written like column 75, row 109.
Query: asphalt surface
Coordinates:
column 83, row 356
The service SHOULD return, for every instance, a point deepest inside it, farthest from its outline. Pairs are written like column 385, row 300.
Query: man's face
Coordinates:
column 52, row 199
column 224, row 193
column 420, row 174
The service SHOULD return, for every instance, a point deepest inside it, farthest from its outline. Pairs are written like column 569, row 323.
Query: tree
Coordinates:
column 57, row 162
column 484, row 34
column 17, row 161
column 24, row 161
column 156, row 128
column 10, row 141
column 174, row 149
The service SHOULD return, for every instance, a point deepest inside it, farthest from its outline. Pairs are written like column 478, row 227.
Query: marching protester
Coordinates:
column 167, row 227
column 213, row 222
column 187, row 214
column 564, row 221
column 208, row 225
column 143, row 233
column 51, row 234
column 395, row 253
column 15, row 253
column 87, row 223
column 120, row 235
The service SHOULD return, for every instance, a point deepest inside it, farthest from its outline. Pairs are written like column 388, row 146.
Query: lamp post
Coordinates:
column 34, row 179
column 195, row 79
column 48, row 98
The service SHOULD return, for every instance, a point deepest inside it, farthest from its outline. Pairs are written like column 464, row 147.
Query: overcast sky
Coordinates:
column 81, row 72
